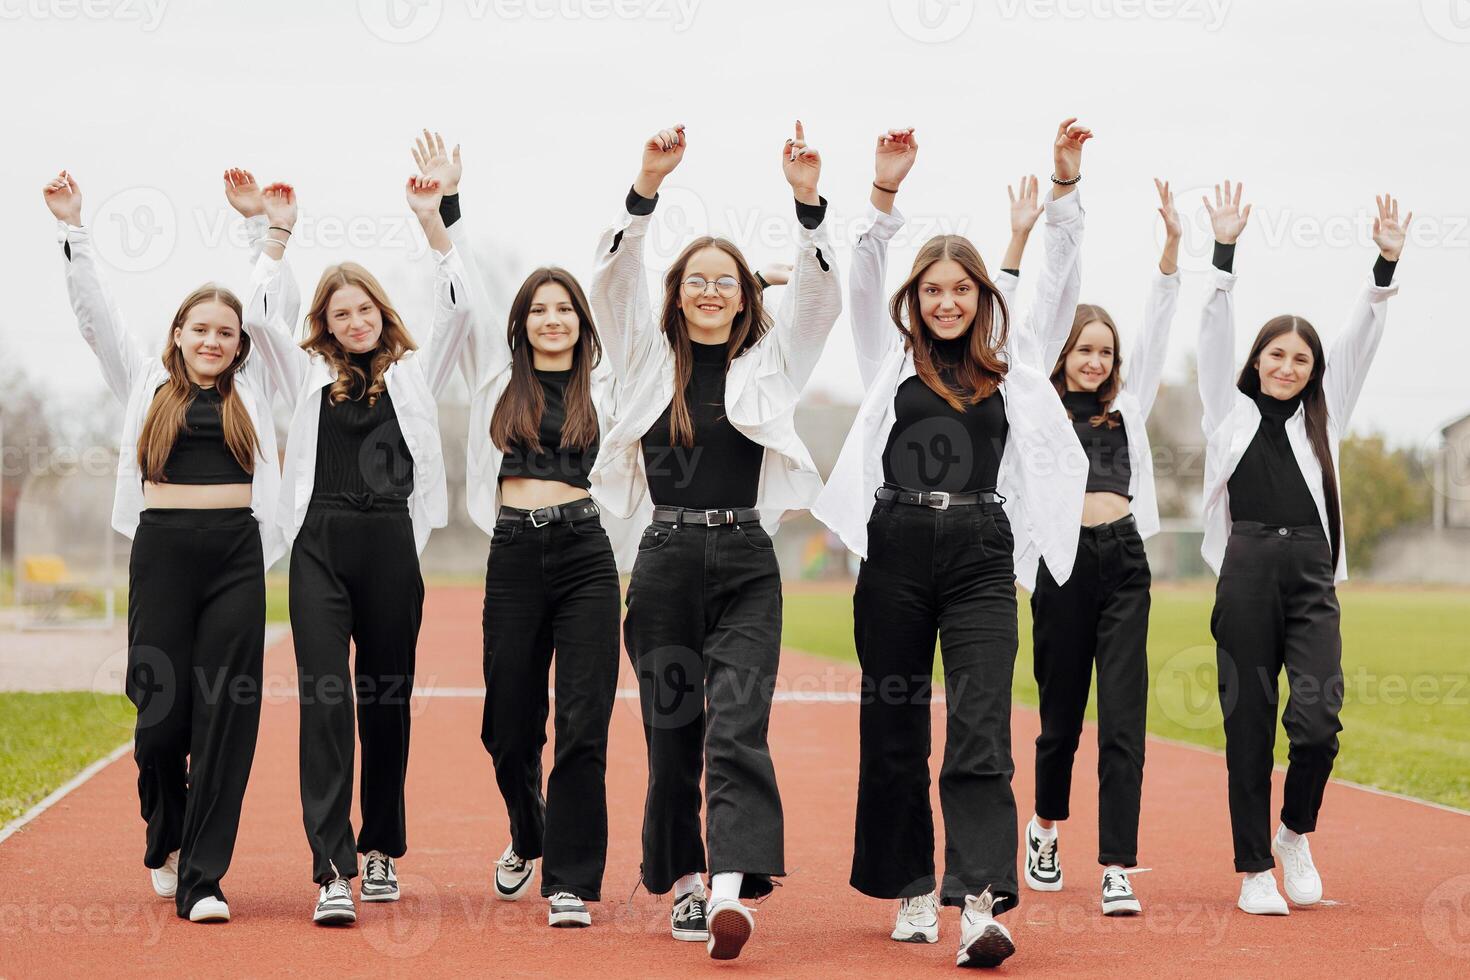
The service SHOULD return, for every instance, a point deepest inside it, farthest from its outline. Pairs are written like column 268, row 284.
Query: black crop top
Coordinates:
column 360, row 448
column 933, row 447
column 200, row 455
column 1109, row 470
column 1268, row 485
column 571, row 466
column 723, row 467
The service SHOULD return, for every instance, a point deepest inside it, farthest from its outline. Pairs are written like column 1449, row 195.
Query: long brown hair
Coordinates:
column 517, row 418
column 1107, row 392
column 749, row 326
column 1314, row 405
column 984, row 369
column 394, row 342
column 170, row 407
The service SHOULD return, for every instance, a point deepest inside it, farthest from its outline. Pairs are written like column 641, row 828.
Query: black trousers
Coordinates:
column 354, row 577
column 948, row 572
column 196, row 646
column 1276, row 605
column 552, row 588
column 1099, row 616
column 704, row 633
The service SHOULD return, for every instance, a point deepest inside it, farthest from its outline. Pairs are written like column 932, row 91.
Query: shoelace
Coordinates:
column 920, row 903
column 338, row 888
column 1115, row 881
column 377, row 865
column 1260, row 887
column 980, row 904
column 1297, row 857
column 684, row 907
column 1046, row 854
column 565, row 897
column 511, row 861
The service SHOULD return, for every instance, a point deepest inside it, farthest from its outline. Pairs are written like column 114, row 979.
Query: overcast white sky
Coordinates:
column 1315, row 105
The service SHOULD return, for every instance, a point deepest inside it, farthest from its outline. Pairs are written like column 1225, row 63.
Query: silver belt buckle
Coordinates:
column 533, row 518
column 943, row 496
column 714, row 523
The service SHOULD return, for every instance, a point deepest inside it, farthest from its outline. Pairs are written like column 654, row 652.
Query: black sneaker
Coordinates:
column 1117, row 893
column 567, row 911
column 379, row 878
column 688, row 920
column 1043, row 864
column 334, row 904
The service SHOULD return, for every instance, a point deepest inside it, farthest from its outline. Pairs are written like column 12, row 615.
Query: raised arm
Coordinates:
column 813, row 299
column 1216, row 355
column 273, row 335
column 1048, row 321
column 445, row 344
column 873, row 330
column 1352, row 352
column 98, row 318
column 245, row 196
column 619, row 296
column 1146, row 367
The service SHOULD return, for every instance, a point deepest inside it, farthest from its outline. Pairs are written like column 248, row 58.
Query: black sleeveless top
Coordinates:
column 200, row 455
column 571, row 466
column 1109, row 470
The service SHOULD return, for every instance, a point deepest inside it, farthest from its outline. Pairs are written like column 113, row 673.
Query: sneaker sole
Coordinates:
column 729, row 931
column 335, row 917
column 368, row 896
column 568, row 920
column 691, row 935
column 916, row 936
column 517, row 893
column 1127, row 906
column 208, row 917
column 1037, row 885
column 1274, row 911
column 990, row 948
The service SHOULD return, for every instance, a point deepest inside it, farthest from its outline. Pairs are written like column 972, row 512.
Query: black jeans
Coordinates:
column 948, row 572
column 196, row 646
column 1276, row 605
column 704, row 633
column 1100, row 615
column 354, row 576
column 552, row 588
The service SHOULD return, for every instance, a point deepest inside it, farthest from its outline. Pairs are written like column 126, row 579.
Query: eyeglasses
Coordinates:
column 725, row 285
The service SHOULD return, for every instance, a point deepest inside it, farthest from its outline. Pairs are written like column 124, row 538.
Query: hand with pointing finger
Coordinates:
column 802, row 166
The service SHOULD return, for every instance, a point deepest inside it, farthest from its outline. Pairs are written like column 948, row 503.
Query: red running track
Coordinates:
column 77, row 900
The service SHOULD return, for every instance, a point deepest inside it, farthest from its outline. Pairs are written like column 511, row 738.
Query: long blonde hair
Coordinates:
column 394, row 342
column 170, row 407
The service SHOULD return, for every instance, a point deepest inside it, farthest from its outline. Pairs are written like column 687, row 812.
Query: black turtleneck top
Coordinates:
column 1109, row 470
column 723, row 467
column 933, row 447
column 200, row 455
column 1267, row 485
column 569, row 465
column 360, row 448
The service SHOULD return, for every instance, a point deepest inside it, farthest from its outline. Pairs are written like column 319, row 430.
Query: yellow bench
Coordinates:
column 46, row 582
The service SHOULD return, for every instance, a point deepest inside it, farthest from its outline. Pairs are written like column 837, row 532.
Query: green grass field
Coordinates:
column 45, row 739
column 1406, row 666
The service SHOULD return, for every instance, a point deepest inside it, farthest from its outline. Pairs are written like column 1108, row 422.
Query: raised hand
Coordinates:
column 1227, row 218
column 424, row 195
column 802, row 165
column 662, row 152
column 433, row 161
column 1388, row 234
column 894, row 158
column 243, row 192
column 279, row 200
column 777, row 273
column 1067, row 149
column 1173, row 229
column 64, row 198
column 1025, row 206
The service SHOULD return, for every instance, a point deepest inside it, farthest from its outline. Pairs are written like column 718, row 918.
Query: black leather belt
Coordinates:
column 576, row 510
column 706, row 518
column 937, row 499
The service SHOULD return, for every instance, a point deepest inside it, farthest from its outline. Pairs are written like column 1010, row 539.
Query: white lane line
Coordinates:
column 64, row 789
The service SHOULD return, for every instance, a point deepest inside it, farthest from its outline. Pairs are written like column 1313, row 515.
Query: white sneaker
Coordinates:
column 379, row 878
column 513, row 875
column 983, row 941
column 918, row 919
column 1043, row 864
column 166, row 878
column 730, row 926
column 567, row 911
column 209, row 909
column 334, row 905
column 1258, row 895
column 1117, row 892
column 1298, row 873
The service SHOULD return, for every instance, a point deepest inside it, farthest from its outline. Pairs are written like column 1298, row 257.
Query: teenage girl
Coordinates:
column 1273, row 533
column 362, row 488
column 1101, row 613
column 705, row 445
column 965, row 448
column 197, row 482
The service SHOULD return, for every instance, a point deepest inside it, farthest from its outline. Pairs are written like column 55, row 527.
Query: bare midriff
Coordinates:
column 1103, row 508
column 516, row 491
column 196, row 496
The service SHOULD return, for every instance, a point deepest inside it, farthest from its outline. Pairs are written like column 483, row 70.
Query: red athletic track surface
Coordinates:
column 77, row 900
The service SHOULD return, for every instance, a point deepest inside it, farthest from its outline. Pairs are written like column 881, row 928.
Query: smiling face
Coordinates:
column 552, row 324
column 1089, row 363
column 948, row 299
column 354, row 320
column 712, row 309
column 1285, row 365
column 209, row 339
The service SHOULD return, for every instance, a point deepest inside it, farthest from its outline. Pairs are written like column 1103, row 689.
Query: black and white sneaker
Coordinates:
column 1043, row 864
column 512, row 875
column 334, row 904
column 689, row 921
column 1117, row 893
column 379, row 878
column 567, row 911
column 983, row 941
